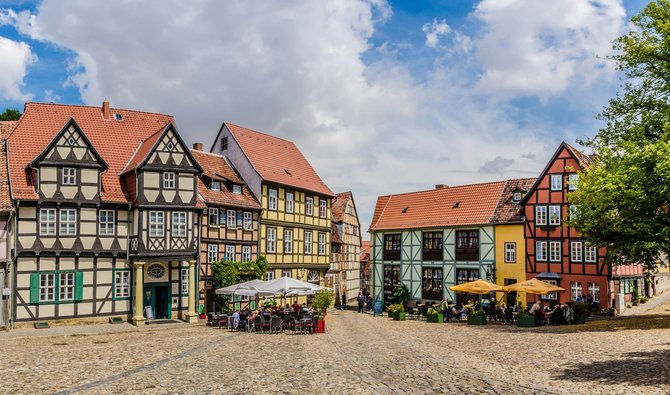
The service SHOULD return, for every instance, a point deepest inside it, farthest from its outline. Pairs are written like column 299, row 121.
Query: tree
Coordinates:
column 623, row 199
column 226, row 272
column 10, row 115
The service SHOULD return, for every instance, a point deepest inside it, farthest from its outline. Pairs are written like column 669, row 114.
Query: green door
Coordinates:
column 150, row 299
column 159, row 297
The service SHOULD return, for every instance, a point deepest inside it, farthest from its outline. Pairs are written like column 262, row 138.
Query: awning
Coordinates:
column 549, row 276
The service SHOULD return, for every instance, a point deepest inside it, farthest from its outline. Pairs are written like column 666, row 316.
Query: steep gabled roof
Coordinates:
column 277, row 160
column 508, row 211
column 216, row 167
column 339, row 205
column 6, row 128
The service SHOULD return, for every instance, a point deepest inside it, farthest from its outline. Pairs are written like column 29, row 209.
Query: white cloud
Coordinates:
column 15, row 57
column 434, row 30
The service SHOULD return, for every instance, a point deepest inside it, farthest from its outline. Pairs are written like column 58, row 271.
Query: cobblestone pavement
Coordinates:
column 360, row 354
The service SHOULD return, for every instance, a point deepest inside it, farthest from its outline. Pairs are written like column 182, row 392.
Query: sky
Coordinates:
column 381, row 96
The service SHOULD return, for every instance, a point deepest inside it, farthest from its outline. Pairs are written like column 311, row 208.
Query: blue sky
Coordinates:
column 381, row 97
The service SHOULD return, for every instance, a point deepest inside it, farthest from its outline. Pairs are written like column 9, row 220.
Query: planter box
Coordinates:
column 526, row 321
column 320, row 326
column 391, row 314
column 436, row 318
column 399, row 317
column 476, row 320
column 579, row 319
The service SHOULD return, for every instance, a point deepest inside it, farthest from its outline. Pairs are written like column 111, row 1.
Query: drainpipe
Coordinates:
column 11, row 278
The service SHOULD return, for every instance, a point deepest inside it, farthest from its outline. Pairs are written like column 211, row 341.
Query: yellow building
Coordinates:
column 295, row 221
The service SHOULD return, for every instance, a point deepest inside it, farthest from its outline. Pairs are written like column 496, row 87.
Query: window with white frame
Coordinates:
column 540, row 250
column 517, row 196
column 322, row 208
column 272, row 199
column 47, row 221
column 289, row 202
column 179, row 224
column 215, row 186
column 122, row 284
column 156, row 223
column 322, row 243
column 66, row 286
column 556, row 182
column 69, row 176
column 246, row 253
column 213, row 216
column 575, row 290
column 68, row 222
column 573, row 180
column 106, row 222
column 248, row 221
column 576, row 251
column 212, row 253
column 309, row 205
column 184, row 280
column 168, row 180
column 510, row 252
column 286, row 273
column 231, row 219
column 594, row 291
column 230, row 253
column 237, row 189
column 271, row 240
column 308, row 242
column 540, row 215
column 269, row 275
column 590, row 253
column 288, row 241
column 554, row 215
column 553, row 295
column 555, row 251
column 47, row 287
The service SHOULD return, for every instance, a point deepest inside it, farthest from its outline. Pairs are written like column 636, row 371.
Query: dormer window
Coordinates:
column 237, row 189
column 69, row 176
column 517, row 196
column 215, row 186
column 168, row 180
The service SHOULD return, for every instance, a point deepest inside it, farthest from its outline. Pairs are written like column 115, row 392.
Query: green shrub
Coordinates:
column 401, row 294
column 479, row 312
column 432, row 311
column 522, row 313
column 322, row 300
column 396, row 308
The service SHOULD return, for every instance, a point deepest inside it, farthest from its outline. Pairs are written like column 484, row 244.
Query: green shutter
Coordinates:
column 78, row 286
column 34, row 287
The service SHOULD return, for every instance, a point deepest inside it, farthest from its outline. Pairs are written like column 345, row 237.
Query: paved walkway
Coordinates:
column 658, row 304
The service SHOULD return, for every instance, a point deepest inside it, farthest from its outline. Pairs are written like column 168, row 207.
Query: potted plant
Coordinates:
column 397, row 312
column 434, row 316
column 477, row 317
column 524, row 319
column 321, row 301
column 202, row 314
column 319, row 324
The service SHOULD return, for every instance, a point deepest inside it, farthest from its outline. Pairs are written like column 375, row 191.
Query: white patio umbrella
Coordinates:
column 288, row 286
column 231, row 289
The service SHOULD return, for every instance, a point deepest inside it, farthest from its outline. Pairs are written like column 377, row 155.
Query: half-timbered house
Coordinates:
column 6, row 213
column 106, row 217
column 344, row 270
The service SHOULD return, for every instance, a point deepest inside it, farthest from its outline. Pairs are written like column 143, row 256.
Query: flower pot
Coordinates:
column 320, row 326
column 399, row 317
column 202, row 316
column 476, row 320
column 527, row 321
column 392, row 314
column 435, row 318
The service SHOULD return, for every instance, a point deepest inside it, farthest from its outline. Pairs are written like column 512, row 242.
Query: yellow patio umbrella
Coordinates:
column 477, row 287
column 533, row 286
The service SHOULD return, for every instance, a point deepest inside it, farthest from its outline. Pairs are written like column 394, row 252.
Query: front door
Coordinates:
column 158, row 297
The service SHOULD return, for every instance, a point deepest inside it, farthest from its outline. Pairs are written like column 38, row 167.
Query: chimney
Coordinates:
column 197, row 146
column 441, row 186
column 105, row 109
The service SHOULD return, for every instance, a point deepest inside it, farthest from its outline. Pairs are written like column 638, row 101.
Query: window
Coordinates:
column 510, row 252
column 269, row 275
column 106, row 222
column 271, row 240
column 286, row 273
column 322, row 208
column 212, row 253
column 288, row 241
column 573, row 180
column 213, row 216
column 168, row 180
column 391, row 280
column 47, row 287
column 224, row 143
column 66, row 286
column 248, row 221
column 540, row 250
column 517, row 196
column 590, row 253
column 47, row 221
column 594, row 291
column 540, row 215
column 575, row 290
column 432, row 283
column 230, row 252
column 554, row 215
column 239, row 219
column 56, row 286
column 555, row 251
column 68, row 222
column 122, row 284
column 556, row 182
column 322, row 243
column 467, row 245
column 309, row 205
column 576, row 251
column 69, row 176
column 179, row 224
column 313, row 277
column 464, row 276
column 432, row 246
column 355, row 228
column 184, row 281
column 156, row 223
column 232, row 219
column 272, row 199
column 289, row 202
column 392, row 247
column 308, row 242
column 246, row 253
column 215, row 186
column 553, row 295
column 156, row 271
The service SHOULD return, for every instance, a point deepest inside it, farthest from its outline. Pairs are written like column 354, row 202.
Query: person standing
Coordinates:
column 344, row 300
column 361, row 302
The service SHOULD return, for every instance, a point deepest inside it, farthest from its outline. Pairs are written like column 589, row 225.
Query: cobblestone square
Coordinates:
column 360, row 354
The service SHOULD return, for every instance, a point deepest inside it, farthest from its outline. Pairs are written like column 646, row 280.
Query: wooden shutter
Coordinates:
column 78, row 286
column 34, row 287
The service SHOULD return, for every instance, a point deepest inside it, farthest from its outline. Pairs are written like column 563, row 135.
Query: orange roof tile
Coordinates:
column 278, row 160
column 216, row 167
column 365, row 251
column 115, row 141
column 335, row 234
column 583, row 159
column 508, row 211
column 339, row 205
column 6, row 128
column 449, row 206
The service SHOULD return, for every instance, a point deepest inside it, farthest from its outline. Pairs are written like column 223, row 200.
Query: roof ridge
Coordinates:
column 98, row 107
column 207, row 153
column 444, row 189
column 382, row 212
column 263, row 133
column 499, row 202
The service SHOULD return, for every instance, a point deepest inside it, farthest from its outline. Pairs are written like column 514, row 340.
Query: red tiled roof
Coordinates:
column 583, row 159
column 339, row 205
column 142, row 151
column 6, row 128
column 115, row 141
column 449, row 206
column 365, row 251
column 278, row 160
column 218, row 165
column 508, row 211
column 334, row 234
